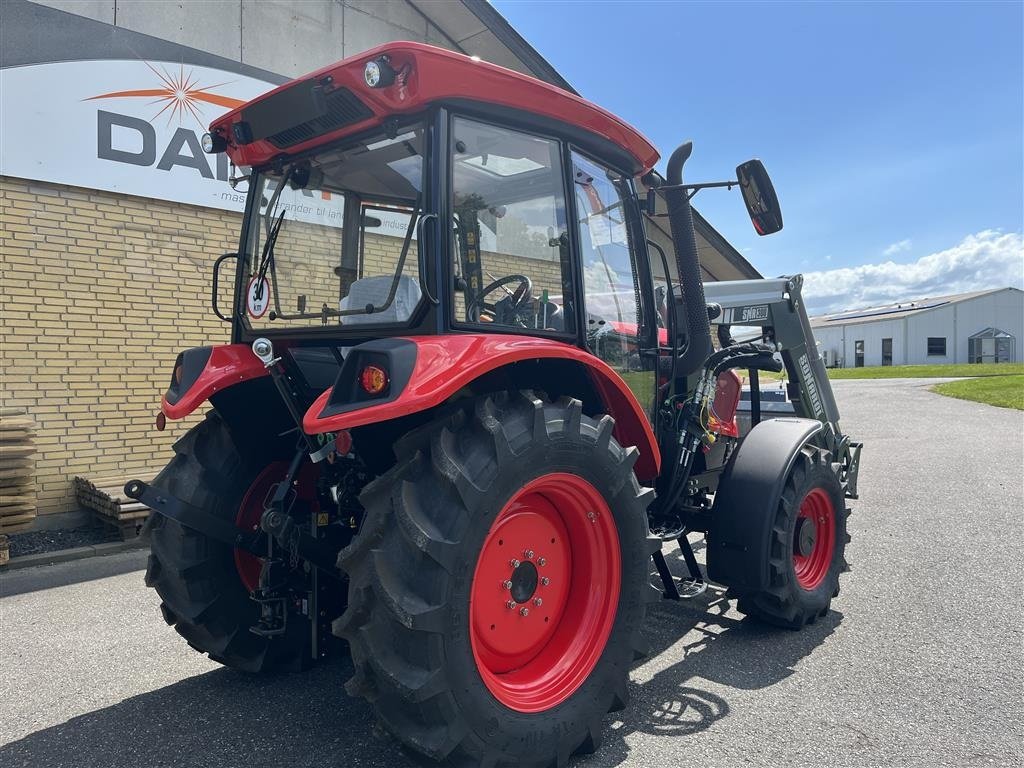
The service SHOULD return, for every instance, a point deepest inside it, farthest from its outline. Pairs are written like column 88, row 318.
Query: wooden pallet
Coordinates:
column 17, row 471
column 105, row 497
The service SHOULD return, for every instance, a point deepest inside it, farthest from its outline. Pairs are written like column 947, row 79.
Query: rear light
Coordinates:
column 373, row 379
column 161, row 421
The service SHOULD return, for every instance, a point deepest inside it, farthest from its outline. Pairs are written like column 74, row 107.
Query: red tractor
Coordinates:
column 466, row 402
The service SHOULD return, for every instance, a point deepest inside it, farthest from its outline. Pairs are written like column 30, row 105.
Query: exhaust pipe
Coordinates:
column 680, row 217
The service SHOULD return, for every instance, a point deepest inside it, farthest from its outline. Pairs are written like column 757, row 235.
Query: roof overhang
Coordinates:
column 256, row 132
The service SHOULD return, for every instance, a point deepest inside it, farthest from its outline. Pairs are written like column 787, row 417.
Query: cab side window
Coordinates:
column 611, row 296
column 510, row 229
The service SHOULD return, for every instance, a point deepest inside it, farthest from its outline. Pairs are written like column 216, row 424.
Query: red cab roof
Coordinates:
column 427, row 75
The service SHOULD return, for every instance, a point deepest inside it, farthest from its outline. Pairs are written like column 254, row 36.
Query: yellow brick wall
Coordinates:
column 98, row 294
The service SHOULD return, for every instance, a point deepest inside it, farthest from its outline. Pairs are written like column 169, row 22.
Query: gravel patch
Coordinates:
column 37, row 542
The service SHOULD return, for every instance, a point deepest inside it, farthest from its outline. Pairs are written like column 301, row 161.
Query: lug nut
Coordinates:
column 542, row 562
column 524, row 611
column 506, row 584
column 528, row 554
column 538, row 602
column 510, row 604
column 514, row 563
column 545, row 581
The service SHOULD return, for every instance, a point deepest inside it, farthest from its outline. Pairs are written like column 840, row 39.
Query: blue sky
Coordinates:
column 894, row 132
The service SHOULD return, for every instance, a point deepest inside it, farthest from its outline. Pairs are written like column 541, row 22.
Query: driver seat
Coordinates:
column 374, row 290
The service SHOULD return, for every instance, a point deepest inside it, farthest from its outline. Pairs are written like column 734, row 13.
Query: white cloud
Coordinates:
column 900, row 247
column 988, row 259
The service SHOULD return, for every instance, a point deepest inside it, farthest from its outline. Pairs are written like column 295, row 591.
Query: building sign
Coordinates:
column 134, row 127
column 124, row 126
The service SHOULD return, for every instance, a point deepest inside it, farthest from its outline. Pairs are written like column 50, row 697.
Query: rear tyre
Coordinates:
column 807, row 546
column 199, row 583
column 499, row 584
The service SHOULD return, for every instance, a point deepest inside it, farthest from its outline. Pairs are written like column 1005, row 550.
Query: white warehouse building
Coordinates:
column 980, row 327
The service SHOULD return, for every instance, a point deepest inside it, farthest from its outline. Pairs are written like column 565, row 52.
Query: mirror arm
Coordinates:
column 697, row 187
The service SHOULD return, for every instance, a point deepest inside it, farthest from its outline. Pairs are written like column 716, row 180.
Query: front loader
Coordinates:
column 466, row 402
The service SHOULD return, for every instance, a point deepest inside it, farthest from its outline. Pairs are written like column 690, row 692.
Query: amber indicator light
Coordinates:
column 373, row 379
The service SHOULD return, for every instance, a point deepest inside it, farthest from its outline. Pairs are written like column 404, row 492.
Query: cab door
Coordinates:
column 615, row 329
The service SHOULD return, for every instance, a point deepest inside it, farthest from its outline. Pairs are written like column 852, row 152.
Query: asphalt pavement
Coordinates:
column 919, row 663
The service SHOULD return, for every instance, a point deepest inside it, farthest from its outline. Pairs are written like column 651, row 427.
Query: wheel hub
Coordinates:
column 524, row 582
column 805, row 536
column 254, row 502
column 814, row 539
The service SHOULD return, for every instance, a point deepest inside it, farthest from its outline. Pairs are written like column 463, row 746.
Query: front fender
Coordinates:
column 427, row 370
column 745, row 503
column 206, row 370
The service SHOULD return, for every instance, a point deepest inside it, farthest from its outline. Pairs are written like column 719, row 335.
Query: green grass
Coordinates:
column 1003, row 391
column 927, row 371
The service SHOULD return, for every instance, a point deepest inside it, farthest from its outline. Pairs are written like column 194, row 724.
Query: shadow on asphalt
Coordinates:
column 224, row 718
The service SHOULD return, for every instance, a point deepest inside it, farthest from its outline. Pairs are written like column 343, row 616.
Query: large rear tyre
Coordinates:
column 807, row 546
column 201, row 581
column 498, row 586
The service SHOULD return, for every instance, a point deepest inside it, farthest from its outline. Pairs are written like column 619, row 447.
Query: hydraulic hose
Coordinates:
column 680, row 217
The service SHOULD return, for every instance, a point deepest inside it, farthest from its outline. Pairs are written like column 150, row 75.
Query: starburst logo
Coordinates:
column 179, row 96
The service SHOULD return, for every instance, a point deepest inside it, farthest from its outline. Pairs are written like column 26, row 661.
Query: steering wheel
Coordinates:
column 520, row 297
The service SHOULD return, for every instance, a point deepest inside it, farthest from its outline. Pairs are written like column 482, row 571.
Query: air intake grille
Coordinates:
column 343, row 108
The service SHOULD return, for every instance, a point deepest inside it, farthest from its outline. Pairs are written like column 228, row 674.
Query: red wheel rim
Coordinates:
column 814, row 539
column 545, row 592
column 250, row 512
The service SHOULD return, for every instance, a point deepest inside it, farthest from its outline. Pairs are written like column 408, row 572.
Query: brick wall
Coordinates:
column 98, row 294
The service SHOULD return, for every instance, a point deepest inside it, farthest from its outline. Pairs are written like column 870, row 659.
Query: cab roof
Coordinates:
column 335, row 102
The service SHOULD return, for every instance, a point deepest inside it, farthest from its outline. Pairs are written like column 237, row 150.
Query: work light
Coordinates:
column 378, row 73
column 213, row 143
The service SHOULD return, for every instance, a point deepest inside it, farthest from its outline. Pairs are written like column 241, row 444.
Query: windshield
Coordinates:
column 333, row 239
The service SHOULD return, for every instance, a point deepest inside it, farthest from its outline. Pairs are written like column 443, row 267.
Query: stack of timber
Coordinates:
column 17, row 483
column 105, row 497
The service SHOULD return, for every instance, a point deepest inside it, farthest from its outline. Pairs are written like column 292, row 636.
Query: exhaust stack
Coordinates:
column 680, row 217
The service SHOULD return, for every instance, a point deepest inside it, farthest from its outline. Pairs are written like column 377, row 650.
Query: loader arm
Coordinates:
column 776, row 306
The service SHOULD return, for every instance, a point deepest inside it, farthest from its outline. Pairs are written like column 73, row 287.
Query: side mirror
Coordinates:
column 759, row 196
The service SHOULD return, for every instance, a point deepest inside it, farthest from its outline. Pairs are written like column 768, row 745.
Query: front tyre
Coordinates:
column 499, row 583
column 807, row 545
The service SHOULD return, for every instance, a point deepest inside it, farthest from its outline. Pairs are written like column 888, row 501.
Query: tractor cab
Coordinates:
column 510, row 210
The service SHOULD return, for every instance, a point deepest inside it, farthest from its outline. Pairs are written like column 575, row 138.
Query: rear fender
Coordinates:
column 206, row 371
column 745, row 503
column 426, row 371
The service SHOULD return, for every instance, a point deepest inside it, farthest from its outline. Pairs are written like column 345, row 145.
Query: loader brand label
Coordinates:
column 810, row 385
column 752, row 314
